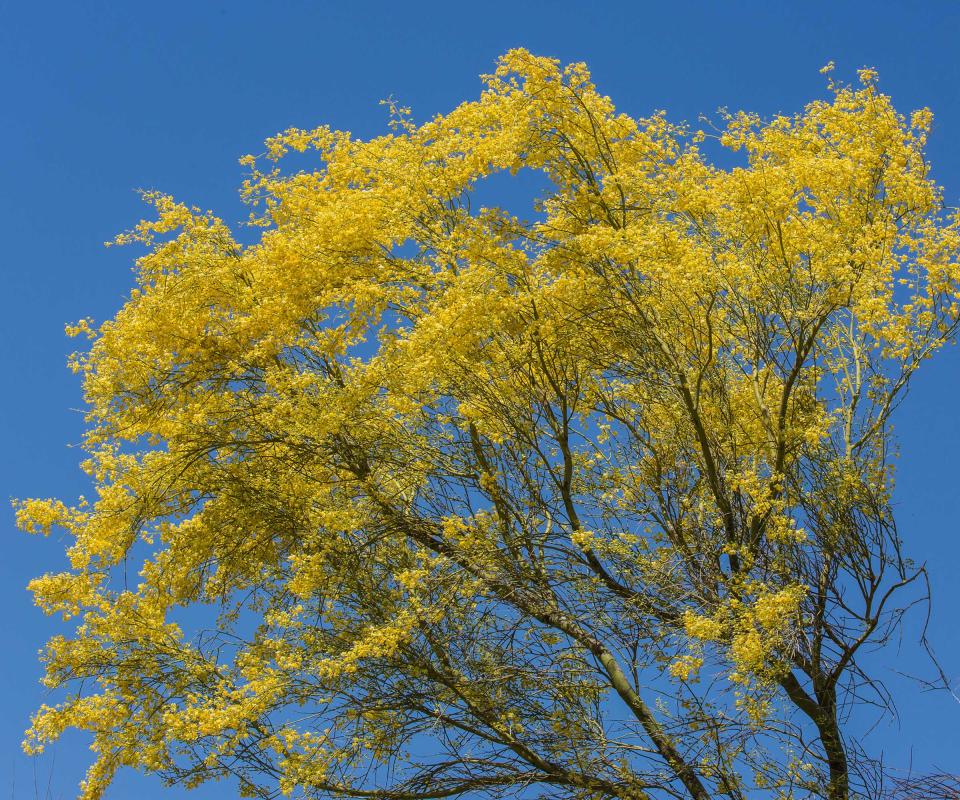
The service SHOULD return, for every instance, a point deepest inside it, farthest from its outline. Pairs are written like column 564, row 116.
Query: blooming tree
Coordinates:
column 591, row 502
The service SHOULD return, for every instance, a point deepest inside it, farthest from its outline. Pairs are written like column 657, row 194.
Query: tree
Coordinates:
column 592, row 504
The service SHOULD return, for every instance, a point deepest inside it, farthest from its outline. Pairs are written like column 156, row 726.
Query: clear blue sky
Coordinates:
column 100, row 99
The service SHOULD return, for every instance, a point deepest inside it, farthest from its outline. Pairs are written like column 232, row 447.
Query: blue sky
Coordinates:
column 100, row 99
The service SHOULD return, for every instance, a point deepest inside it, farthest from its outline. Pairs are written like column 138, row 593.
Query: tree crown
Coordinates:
column 594, row 501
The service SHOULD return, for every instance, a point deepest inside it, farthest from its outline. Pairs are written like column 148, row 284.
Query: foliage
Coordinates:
column 591, row 504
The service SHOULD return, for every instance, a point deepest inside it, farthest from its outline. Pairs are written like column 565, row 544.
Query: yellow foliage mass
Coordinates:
column 400, row 430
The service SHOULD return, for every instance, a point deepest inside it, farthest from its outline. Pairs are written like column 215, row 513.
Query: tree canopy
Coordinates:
column 417, row 498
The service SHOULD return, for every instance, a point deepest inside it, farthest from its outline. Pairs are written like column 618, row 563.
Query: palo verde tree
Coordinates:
column 593, row 503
